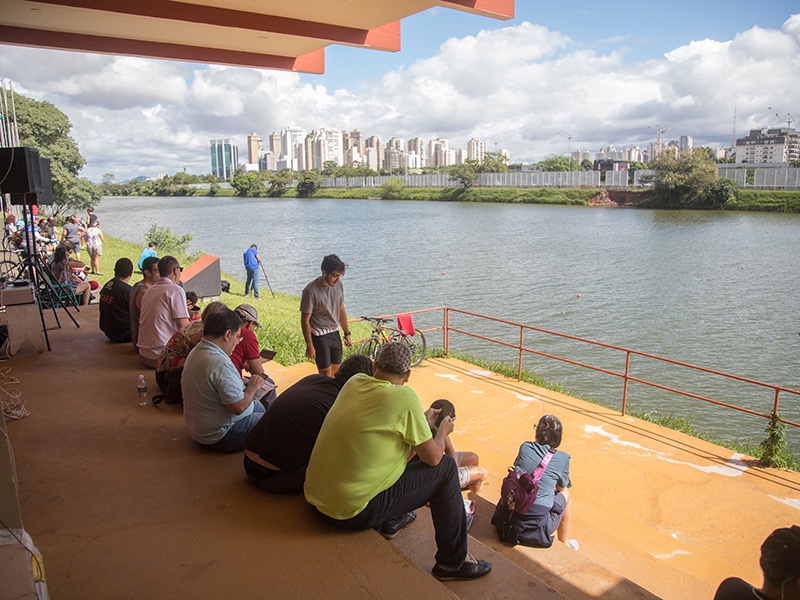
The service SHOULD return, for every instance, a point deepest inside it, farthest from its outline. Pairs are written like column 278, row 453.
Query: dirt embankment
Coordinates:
column 615, row 198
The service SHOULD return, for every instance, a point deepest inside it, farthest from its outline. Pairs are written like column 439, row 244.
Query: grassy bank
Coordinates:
column 475, row 194
column 766, row 201
column 279, row 317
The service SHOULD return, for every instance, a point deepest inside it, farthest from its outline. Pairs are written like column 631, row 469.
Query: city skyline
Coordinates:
column 602, row 76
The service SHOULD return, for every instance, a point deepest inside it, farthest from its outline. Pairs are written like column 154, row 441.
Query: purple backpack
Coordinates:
column 519, row 489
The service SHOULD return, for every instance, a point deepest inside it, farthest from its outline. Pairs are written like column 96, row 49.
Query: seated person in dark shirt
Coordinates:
column 277, row 449
column 115, row 317
column 780, row 563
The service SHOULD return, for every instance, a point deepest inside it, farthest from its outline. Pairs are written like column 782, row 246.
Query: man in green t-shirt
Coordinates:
column 360, row 476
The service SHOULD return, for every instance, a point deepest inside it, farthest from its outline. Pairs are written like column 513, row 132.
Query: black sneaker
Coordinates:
column 471, row 569
column 391, row 528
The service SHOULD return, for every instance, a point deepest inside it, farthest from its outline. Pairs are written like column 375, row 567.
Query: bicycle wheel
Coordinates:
column 415, row 342
column 370, row 348
column 10, row 270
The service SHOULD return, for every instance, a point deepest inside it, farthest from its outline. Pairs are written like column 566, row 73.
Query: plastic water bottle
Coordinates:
column 141, row 387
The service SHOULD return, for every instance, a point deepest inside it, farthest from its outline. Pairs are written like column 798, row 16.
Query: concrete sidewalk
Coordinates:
column 123, row 505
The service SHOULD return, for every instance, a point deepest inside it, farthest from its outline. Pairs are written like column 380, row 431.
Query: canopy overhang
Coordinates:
column 276, row 34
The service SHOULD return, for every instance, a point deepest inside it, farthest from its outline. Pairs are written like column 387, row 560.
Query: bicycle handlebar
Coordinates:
column 377, row 319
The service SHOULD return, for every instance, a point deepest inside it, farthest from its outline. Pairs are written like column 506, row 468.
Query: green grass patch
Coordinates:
column 766, row 201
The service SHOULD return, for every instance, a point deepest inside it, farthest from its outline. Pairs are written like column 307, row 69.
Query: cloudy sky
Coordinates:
column 600, row 74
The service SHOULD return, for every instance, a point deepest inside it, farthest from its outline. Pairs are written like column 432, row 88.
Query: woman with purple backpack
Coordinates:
column 550, row 512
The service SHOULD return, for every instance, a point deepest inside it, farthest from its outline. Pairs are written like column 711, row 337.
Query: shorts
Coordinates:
column 463, row 476
column 94, row 250
column 328, row 348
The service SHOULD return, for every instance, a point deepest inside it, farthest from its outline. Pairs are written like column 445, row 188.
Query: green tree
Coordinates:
column 466, row 174
column 493, row 162
column 330, row 168
column 43, row 126
column 308, row 183
column 680, row 181
column 718, row 193
column 392, row 188
column 555, row 163
column 108, row 178
column 82, row 194
column 279, row 181
column 170, row 243
column 248, row 184
column 587, row 165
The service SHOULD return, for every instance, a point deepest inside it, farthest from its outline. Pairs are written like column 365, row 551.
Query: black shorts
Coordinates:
column 328, row 348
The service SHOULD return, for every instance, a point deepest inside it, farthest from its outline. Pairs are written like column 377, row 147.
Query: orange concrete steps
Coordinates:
column 558, row 572
column 671, row 513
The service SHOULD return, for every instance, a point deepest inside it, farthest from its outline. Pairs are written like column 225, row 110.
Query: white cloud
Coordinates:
column 522, row 86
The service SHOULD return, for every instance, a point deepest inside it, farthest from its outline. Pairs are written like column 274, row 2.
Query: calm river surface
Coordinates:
column 716, row 289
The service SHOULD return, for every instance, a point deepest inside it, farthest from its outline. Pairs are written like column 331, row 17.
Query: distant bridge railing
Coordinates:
column 627, row 375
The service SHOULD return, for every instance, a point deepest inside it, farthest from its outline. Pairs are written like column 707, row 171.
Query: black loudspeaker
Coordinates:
column 46, row 195
column 20, row 171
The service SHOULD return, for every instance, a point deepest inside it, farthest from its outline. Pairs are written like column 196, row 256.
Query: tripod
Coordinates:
column 39, row 273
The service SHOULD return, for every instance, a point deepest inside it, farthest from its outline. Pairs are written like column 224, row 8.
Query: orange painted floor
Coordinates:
column 123, row 505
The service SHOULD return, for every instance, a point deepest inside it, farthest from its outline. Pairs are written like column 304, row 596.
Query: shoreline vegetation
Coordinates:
column 280, row 332
column 780, row 201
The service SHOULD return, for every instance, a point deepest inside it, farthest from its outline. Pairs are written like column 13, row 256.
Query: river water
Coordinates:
column 715, row 289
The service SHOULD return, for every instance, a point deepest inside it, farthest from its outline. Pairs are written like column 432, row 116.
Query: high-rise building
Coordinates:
column 253, row 148
column 355, row 140
column 417, row 146
column 371, row 155
column 779, row 145
column 686, row 143
column 375, row 142
column 224, row 158
column 293, row 148
column 275, row 143
column 439, row 154
column 327, row 147
column 476, row 149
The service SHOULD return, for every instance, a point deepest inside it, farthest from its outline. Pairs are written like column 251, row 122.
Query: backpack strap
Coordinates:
column 539, row 471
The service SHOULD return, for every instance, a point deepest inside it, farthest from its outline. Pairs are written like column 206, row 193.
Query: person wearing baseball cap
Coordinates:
column 780, row 563
column 359, row 476
column 246, row 353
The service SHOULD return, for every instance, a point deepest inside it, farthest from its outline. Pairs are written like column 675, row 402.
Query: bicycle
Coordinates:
column 384, row 334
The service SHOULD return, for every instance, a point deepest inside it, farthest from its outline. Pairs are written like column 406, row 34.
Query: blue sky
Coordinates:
column 606, row 73
column 646, row 29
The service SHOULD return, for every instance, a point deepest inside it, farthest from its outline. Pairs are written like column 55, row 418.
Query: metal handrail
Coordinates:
column 626, row 376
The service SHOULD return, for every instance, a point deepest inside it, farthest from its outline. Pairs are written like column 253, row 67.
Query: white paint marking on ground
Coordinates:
column 793, row 502
column 481, row 373
column 526, row 398
column 670, row 555
column 476, row 391
column 733, row 467
column 448, row 376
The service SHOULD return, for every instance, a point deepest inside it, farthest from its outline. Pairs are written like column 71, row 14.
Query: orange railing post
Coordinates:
column 446, row 333
column 625, row 384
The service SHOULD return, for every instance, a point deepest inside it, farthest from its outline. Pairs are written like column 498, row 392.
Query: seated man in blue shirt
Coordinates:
column 218, row 410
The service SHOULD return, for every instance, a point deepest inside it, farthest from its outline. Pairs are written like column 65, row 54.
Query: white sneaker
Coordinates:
column 572, row 543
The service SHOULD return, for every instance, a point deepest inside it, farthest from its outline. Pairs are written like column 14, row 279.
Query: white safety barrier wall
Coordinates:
column 778, row 178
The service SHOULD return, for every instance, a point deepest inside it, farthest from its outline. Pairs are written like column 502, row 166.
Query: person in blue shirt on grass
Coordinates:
column 252, row 261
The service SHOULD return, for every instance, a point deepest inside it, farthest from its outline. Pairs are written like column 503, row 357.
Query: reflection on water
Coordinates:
column 715, row 289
